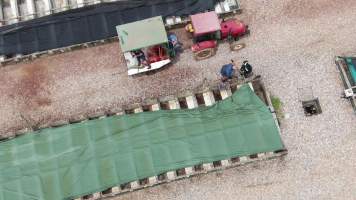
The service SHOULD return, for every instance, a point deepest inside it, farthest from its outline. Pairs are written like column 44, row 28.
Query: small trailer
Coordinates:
column 145, row 45
column 347, row 69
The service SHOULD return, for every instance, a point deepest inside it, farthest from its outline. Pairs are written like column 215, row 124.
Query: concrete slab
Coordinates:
column 189, row 171
column 250, row 84
column 134, row 185
column 152, row 180
column 138, row 110
column 209, row 98
column 225, row 163
column 115, row 190
column 171, row 175
column 173, row 104
column 192, row 102
column 155, row 107
column 97, row 195
column 208, row 166
column 225, row 93
column 244, row 159
column 261, row 155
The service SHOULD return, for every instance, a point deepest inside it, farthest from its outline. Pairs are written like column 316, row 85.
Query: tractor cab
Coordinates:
column 145, row 45
column 207, row 29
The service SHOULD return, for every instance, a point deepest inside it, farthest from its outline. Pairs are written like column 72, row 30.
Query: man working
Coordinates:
column 141, row 58
column 246, row 69
column 227, row 71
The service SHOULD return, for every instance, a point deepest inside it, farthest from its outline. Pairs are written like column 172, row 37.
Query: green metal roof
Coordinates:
column 83, row 158
column 144, row 33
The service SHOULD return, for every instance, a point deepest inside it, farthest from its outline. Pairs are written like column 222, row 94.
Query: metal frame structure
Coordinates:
column 349, row 89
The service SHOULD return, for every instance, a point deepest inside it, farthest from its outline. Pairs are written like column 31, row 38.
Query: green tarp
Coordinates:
column 140, row 34
column 87, row 157
column 352, row 68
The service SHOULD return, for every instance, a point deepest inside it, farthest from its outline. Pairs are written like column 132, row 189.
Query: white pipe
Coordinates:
column 65, row 5
column 14, row 10
column 48, row 7
column 31, row 9
column 1, row 14
column 80, row 3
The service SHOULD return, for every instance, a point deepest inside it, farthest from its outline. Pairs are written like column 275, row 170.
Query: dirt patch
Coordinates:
column 30, row 87
column 308, row 9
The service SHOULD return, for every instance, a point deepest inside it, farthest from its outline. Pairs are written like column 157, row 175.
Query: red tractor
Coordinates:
column 207, row 30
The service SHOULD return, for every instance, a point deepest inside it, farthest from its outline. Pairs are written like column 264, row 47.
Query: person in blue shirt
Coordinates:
column 228, row 71
column 174, row 44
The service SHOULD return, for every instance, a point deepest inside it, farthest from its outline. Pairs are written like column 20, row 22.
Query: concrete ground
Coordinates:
column 292, row 45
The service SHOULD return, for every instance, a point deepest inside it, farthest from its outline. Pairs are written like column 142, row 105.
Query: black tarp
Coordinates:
column 89, row 23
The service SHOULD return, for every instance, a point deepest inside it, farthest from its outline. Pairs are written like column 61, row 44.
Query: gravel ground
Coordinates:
column 292, row 45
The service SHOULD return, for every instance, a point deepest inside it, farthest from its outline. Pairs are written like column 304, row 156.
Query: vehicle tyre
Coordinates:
column 237, row 46
column 204, row 54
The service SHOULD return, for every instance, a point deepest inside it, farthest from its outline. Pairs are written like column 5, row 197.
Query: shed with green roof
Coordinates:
column 140, row 34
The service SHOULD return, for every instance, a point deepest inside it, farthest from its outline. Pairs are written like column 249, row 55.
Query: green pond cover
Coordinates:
column 351, row 63
column 87, row 157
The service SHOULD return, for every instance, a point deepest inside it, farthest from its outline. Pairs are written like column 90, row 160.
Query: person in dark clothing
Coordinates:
column 141, row 58
column 246, row 69
column 227, row 71
column 174, row 44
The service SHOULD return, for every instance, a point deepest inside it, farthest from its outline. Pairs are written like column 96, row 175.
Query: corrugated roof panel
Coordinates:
column 204, row 23
column 143, row 33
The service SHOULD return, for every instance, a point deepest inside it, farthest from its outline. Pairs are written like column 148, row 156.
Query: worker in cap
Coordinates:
column 246, row 69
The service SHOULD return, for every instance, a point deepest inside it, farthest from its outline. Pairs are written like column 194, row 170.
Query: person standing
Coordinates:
column 246, row 69
column 227, row 71
column 141, row 58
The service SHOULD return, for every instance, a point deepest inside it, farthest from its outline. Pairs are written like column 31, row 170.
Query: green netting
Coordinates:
column 87, row 157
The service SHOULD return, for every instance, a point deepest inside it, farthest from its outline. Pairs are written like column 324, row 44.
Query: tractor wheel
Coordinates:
column 237, row 46
column 204, row 54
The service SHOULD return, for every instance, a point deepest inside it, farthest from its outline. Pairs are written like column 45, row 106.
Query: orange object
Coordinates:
column 189, row 28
